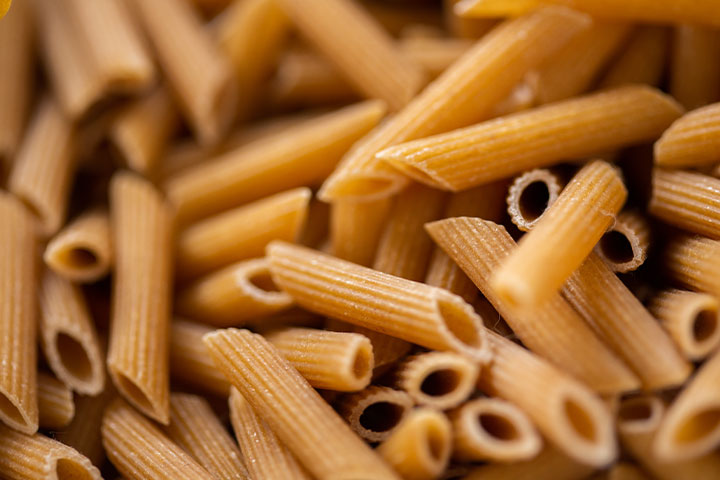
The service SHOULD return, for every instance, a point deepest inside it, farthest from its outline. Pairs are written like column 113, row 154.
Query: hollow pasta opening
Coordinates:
column 617, row 247
column 132, row 391
column 460, row 323
column 497, row 426
column 67, row 469
column 704, row 325
column 580, row 421
column 381, row 416
column 440, row 382
column 81, row 257
column 362, row 363
column 263, row 281
column 436, row 441
column 698, row 426
column 10, row 410
column 73, row 356
column 534, row 200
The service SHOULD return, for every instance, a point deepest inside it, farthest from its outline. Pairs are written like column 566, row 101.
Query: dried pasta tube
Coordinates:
column 264, row 454
column 694, row 262
column 439, row 380
column 35, row 457
column 694, row 72
column 550, row 464
column 493, row 429
column 361, row 50
column 553, row 329
column 196, row 69
column 68, row 336
column 414, row 312
column 374, row 412
column 55, row 402
column 190, row 362
column 692, row 319
column 310, row 428
column 18, row 350
column 138, row 351
column 536, row 138
column 355, row 229
column 339, row 361
column 419, row 448
column 82, row 250
column 624, row 247
column 692, row 140
column 140, row 450
column 302, row 155
column 197, row 430
column 45, row 164
column 530, row 195
column 241, row 233
column 435, row 55
column 642, row 59
column 465, row 93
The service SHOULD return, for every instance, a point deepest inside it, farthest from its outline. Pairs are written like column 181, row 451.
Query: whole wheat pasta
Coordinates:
column 530, row 195
column 691, row 141
column 190, row 362
column 434, row 54
column 44, row 167
column 536, row 138
column 414, row 312
column 140, row 450
column 553, row 329
column 18, row 284
column 694, row 72
column 395, row 17
column 623, row 471
column 374, row 412
column 339, row 361
column 463, row 27
column 294, row 317
column 317, row 226
column 522, row 97
column 356, row 227
column 622, row 322
column 694, row 262
column 439, row 380
column 55, row 402
column 360, row 49
column 196, row 428
column 198, row 73
column 624, row 247
column 138, row 351
column 463, row 94
column 265, row 456
column 692, row 319
column 550, row 464
column 563, row 238
column 641, row 61
column 637, row 423
column 419, row 448
column 35, row 457
column 300, row 418
column 241, row 233
column 303, row 154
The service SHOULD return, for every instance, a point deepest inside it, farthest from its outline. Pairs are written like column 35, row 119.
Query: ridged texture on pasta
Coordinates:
column 143, row 240
column 18, row 285
column 550, row 464
column 553, row 329
column 463, row 94
column 141, row 451
column 374, row 412
column 265, row 456
column 624, row 247
column 195, row 427
column 190, row 362
column 241, row 233
column 539, row 137
column 695, row 72
column 530, row 195
column 82, row 251
column 55, row 402
column 694, row 262
column 692, row 140
column 355, row 229
column 415, row 312
column 302, row 155
column 309, row 427
column 339, row 361
column 642, row 59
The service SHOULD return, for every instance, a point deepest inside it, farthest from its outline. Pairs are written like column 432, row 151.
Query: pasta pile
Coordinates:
column 360, row 239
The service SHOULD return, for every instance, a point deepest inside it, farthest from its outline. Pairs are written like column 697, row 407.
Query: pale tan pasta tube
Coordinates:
column 434, row 54
column 18, row 284
column 692, row 140
column 624, row 247
column 692, row 319
column 355, row 229
column 418, row 313
column 530, row 195
column 265, row 456
column 140, row 450
column 309, row 427
column 536, row 138
column 36, row 457
column 55, row 402
column 493, row 429
column 419, row 448
column 374, row 412
column 241, row 233
column 138, row 351
column 190, row 362
column 302, row 155
column 339, row 361
column 68, row 337
column 694, row 262
column 642, row 59
column 196, row 428
column 463, row 94
column 44, row 167
column 695, row 72
column 550, row 464
column 552, row 329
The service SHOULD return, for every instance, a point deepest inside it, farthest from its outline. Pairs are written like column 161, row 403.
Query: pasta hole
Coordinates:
column 698, row 426
column 635, row 411
column 436, row 442
column 82, row 257
column 579, row 420
column 381, row 416
column 616, row 247
column 534, row 200
column 132, row 391
column 498, row 426
column 263, row 281
column 704, row 325
column 440, row 382
column 362, row 363
column 67, row 469
column 460, row 324
column 73, row 356
column 10, row 410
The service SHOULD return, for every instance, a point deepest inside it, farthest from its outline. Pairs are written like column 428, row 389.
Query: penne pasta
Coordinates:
column 463, row 94
column 530, row 195
column 435, row 55
column 493, row 429
column 694, row 72
column 317, row 226
column 691, row 141
column 550, row 464
column 322, row 442
column 642, row 60
column 414, row 312
column 694, row 262
column 539, row 137
column 419, row 448
column 138, row 352
column 552, row 329
column 55, row 402
column 355, row 229
column 624, row 247
column 190, row 362
column 374, row 412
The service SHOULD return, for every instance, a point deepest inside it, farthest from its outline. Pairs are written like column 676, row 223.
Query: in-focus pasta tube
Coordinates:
column 692, row 140
column 374, row 412
column 694, row 262
column 190, row 362
column 530, row 195
column 694, row 70
column 55, row 402
column 624, row 247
